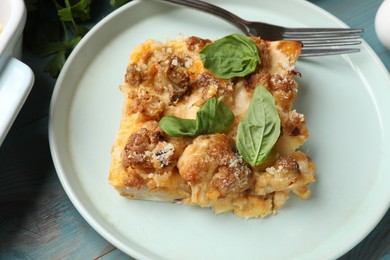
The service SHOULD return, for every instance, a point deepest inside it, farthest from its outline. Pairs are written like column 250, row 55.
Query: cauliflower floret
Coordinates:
column 289, row 173
column 213, row 169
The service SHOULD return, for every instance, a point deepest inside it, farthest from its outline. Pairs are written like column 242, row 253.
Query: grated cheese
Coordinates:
column 164, row 155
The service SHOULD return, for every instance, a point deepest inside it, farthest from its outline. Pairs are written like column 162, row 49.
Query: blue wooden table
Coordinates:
column 38, row 221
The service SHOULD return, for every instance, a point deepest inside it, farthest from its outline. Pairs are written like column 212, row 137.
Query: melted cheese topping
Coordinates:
column 169, row 79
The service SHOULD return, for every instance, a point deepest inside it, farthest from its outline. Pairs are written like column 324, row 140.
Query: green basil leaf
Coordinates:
column 232, row 56
column 176, row 126
column 213, row 117
column 259, row 130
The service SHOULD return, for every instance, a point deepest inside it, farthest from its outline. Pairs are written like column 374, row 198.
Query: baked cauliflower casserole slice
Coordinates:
column 206, row 168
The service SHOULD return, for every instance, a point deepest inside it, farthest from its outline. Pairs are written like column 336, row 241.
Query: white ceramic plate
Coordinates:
column 345, row 99
column 16, row 78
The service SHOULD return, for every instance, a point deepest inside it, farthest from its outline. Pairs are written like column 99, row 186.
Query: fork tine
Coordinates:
column 322, row 52
column 313, row 44
column 333, row 43
column 315, row 38
column 322, row 31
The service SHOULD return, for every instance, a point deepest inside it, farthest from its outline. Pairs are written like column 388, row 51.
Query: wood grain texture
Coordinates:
column 38, row 221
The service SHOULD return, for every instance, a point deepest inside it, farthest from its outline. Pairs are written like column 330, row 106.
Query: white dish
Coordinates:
column 345, row 99
column 16, row 78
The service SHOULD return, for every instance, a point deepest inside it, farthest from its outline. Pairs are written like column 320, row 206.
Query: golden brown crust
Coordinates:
column 169, row 79
column 211, row 164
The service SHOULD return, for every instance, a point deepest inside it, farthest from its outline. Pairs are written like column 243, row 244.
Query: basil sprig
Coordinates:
column 259, row 130
column 213, row 117
column 232, row 56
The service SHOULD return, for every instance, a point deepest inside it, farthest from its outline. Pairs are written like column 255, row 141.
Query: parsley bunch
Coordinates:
column 55, row 27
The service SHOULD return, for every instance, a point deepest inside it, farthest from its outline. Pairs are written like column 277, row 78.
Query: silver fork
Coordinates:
column 316, row 41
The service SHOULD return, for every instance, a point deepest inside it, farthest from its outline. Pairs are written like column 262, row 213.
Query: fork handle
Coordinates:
column 213, row 9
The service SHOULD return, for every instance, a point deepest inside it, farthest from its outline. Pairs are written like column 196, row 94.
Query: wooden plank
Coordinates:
column 37, row 220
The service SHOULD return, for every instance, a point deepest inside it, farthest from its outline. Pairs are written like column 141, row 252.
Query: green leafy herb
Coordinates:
column 259, row 130
column 213, row 117
column 55, row 27
column 232, row 56
column 176, row 126
column 118, row 3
